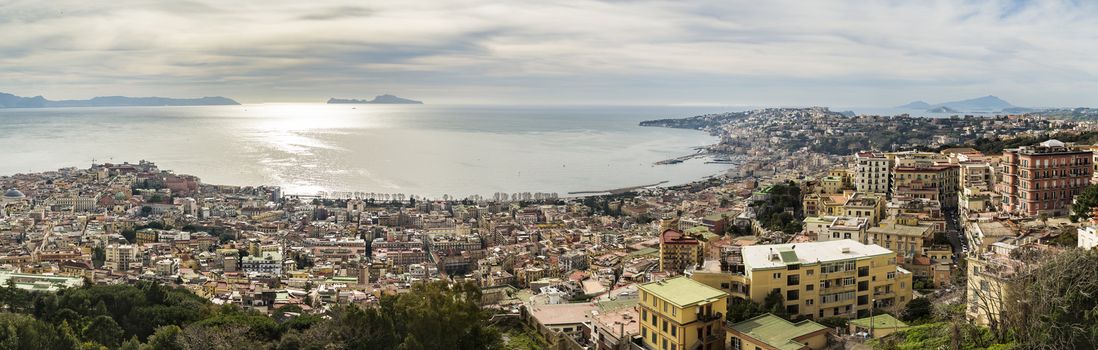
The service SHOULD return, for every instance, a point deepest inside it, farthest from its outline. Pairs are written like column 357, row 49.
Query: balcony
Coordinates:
column 710, row 317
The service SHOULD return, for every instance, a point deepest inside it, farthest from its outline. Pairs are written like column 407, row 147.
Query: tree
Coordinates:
column 167, row 338
column 103, row 330
column 1084, row 203
column 917, row 309
column 774, row 304
column 740, row 310
column 1052, row 305
column 130, row 235
column 99, row 256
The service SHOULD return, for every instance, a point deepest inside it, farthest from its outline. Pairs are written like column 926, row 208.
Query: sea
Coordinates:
column 424, row 150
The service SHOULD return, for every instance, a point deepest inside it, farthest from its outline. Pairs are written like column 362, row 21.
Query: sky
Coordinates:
column 724, row 52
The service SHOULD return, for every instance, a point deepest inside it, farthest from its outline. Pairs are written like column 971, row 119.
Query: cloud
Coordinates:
column 660, row 52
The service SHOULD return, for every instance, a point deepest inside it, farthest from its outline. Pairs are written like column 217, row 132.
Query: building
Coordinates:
column 121, row 257
column 269, row 263
column 871, row 172
column 936, row 182
column 817, row 279
column 844, row 227
column 681, row 314
column 903, row 234
column 989, row 280
column 767, row 331
column 1088, row 237
column 679, row 252
column 40, row 283
column 1043, row 179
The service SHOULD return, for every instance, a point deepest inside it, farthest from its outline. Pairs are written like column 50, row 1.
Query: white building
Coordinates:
column 1088, row 237
column 871, row 172
column 121, row 257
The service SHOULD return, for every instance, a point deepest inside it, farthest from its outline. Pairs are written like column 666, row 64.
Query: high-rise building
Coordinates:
column 120, row 257
column 679, row 251
column 871, row 172
column 681, row 314
column 1044, row 178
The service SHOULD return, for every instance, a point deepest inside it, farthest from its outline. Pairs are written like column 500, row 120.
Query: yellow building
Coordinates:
column 817, row 279
column 682, row 314
column 679, row 251
column 775, row 333
column 989, row 280
column 903, row 234
column 848, row 203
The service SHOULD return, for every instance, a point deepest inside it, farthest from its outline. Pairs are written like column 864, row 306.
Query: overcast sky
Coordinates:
column 731, row 52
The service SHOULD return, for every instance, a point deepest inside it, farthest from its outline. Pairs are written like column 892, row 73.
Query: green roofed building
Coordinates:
column 43, row 283
column 775, row 333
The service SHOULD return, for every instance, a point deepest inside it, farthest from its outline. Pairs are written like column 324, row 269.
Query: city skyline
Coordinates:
column 480, row 52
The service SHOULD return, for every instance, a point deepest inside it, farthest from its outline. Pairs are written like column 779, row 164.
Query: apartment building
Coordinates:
column 936, row 182
column 121, row 257
column 852, row 204
column 817, row 279
column 903, row 234
column 679, row 251
column 682, row 314
column 872, row 172
column 1043, row 179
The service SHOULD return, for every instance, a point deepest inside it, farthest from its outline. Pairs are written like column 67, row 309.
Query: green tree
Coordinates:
column 1084, row 203
column 99, row 256
column 167, row 338
column 740, row 310
column 103, row 330
column 917, row 309
column 774, row 304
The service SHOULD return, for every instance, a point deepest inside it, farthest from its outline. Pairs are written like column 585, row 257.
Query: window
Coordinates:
column 777, row 275
column 673, row 328
column 863, row 271
column 736, row 345
column 792, row 280
column 644, row 314
column 644, row 332
column 809, row 272
column 809, row 302
column 792, row 295
column 665, row 326
column 891, row 275
column 809, row 287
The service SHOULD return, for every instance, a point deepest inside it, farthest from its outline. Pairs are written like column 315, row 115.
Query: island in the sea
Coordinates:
column 13, row 101
column 380, row 99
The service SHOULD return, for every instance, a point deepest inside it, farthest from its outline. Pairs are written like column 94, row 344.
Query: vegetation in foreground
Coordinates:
column 151, row 316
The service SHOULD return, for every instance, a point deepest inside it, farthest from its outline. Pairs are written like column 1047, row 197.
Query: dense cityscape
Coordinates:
column 829, row 231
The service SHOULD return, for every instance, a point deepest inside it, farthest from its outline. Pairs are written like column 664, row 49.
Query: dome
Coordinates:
column 13, row 193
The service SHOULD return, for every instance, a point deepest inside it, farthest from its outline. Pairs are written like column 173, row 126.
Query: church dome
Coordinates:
column 13, row 193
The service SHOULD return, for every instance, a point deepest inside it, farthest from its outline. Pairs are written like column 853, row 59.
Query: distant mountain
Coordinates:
column 380, row 99
column 942, row 109
column 13, row 101
column 916, row 105
column 980, row 104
